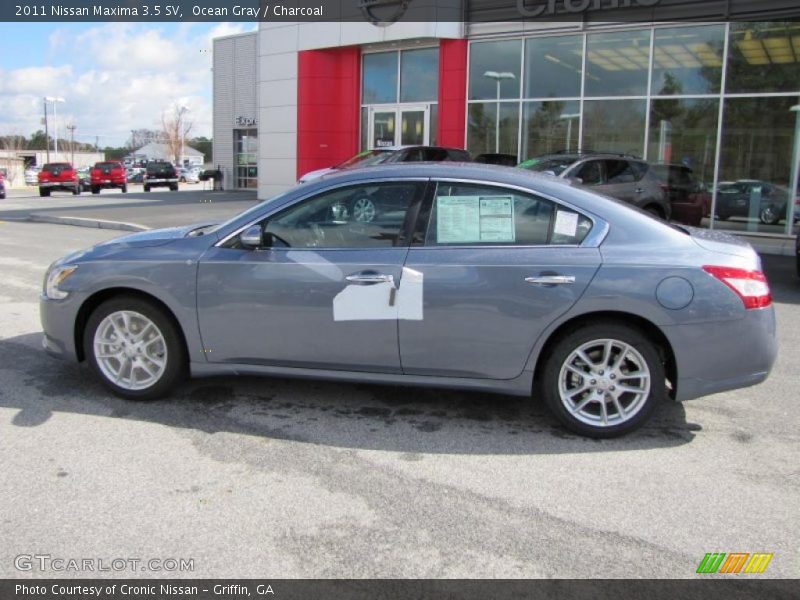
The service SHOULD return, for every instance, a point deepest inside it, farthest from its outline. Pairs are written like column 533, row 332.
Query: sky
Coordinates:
column 114, row 77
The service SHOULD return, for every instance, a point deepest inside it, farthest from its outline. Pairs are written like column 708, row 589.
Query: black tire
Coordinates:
column 176, row 360
column 173, row 187
column 147, row 188
column 125, row 189
column 76, row 191
column 2, row 195
column 571, row 341
column 95, row 190
column 183, row 180
column 44, row 192
column 769, row 215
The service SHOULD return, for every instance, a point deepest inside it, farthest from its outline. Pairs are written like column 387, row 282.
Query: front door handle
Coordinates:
column 551, row 280
column 370, row 278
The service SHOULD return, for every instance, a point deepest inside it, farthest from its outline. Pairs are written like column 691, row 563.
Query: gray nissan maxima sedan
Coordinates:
column 463, row 276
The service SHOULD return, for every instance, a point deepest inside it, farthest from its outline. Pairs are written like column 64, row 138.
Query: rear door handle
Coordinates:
column 370, row 278
column 551, row 280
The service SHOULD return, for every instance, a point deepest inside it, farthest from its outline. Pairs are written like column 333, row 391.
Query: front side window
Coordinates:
column 591, row 173
column 465, row 214
column 361, row 216
column 620, row 171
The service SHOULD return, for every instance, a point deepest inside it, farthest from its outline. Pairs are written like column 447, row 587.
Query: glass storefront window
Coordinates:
column 493, row 62
column 246, row 159
column 548, row 127
column 764, row 57
column 756, row 164
column 688, row 60
column 482, row 128
column 379, row 80
column 614, row 126
column 617, row 63
column 419, row 75
column 685, row 132
column 553, row 67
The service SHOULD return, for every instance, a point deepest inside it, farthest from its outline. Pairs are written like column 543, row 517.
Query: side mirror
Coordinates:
column 252, row 238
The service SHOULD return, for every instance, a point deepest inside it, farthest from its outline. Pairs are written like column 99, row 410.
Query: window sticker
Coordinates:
column 473, row 219
column 566, row 223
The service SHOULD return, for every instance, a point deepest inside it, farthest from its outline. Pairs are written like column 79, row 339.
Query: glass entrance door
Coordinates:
column 382, row 128
column 414, row 126
column 404, row 125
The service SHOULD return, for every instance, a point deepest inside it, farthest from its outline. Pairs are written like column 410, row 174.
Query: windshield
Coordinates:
column 554, row 165
column 370, row 157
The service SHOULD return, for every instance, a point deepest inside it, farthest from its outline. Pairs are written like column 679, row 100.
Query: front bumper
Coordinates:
column 58, row 324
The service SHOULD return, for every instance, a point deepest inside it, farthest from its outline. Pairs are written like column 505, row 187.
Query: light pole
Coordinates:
column 54, row 100
column 72, row 128
column 498, row 77
column 795, row 174
column 46, row 131
column 569, row 118
column 183, row 110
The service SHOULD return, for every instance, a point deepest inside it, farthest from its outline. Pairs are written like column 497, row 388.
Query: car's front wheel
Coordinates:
column 603, row 380
column 135, row 348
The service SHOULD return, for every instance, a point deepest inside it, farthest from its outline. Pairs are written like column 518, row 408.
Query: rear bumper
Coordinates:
column 58, row 184
column 743, row 353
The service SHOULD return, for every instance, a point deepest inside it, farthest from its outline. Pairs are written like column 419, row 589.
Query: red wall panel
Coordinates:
column 328, row 103
column 452, row 93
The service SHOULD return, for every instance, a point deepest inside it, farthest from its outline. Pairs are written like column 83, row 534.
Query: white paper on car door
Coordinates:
column 371, row 302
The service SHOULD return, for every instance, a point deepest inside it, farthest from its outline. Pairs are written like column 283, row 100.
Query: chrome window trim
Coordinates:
column 236, row 232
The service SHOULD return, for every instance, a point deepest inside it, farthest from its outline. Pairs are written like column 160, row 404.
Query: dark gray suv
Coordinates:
column 620, row 176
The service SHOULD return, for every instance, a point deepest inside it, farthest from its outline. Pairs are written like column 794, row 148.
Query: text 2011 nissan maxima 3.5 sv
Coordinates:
column 474, row 277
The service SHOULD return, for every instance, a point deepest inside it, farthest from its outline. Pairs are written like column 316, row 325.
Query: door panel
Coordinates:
column 276, row 307
column 480, row 317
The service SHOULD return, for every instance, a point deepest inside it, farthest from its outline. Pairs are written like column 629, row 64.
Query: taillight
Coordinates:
column 751, row 286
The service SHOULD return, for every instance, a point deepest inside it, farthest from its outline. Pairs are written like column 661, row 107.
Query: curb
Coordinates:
column 80, row 222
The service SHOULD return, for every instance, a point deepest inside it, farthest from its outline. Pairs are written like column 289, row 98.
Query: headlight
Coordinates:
column 56, row 277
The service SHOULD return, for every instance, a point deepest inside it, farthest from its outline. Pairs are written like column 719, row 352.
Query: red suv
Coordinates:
column 110, row 174
column 58, row 176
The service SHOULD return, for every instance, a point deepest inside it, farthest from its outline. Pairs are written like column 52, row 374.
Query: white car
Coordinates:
column 186, row 175
column 32, row 175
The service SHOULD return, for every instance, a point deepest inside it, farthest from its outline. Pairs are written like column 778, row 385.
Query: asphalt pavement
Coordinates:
column 290, row 478
column 134, row 211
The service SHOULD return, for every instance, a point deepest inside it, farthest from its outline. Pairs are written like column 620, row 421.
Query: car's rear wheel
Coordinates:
column 147, row 188
column 174, row 187
column 44, row 192
column 135, row 348
column 76, row 190
column 125, row 189
column 603, row 380
column 95, row 189
column 770, row 215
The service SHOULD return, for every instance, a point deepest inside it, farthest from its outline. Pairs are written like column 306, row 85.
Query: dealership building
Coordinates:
column 716, row 95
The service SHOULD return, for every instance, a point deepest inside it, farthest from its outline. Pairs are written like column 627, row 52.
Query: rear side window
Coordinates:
column 464, row 214
column 460, row 156
column 56, row 167
column 591, row 173
column 620, row 171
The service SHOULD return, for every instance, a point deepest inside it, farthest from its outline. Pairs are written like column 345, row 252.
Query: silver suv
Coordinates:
column 620, row 176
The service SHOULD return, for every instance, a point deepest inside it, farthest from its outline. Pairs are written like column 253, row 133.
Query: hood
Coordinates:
column 153, row 237
column 310, row 176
